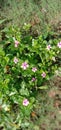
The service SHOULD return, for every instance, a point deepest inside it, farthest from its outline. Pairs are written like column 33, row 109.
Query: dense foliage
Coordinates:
column 26, row 63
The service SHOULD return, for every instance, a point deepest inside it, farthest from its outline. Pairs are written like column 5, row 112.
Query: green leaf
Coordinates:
column 43, row 87
column 24, row 91
column 2, row 53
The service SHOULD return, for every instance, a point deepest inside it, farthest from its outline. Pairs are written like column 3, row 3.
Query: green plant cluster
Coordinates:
column 26, row 63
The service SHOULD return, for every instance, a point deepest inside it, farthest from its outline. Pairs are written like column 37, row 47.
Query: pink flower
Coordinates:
column 15, row 60
column 43, row 74
column 48, row 47
column 25, row 102
column 16, row 43
column 34, row 69
column 59, row 44
column 33, row 79
column 24, row 65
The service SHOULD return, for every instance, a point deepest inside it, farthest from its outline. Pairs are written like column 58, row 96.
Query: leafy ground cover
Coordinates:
column 46, row 114
column 27, row 63
column 26, row 104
